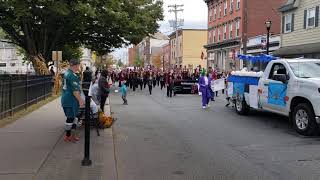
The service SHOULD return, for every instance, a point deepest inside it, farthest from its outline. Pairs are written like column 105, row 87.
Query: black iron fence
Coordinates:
column 20, row 91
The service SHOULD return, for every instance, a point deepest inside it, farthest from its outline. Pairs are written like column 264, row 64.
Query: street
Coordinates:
column 160, row 138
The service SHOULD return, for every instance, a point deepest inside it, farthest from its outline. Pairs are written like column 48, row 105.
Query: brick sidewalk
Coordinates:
column 33, row 149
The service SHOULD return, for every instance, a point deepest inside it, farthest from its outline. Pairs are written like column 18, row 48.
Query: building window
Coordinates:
column 3, row 64
column 231, row 5
column 215, row 12
column 237, row 28
column 225, row 8
column 224, row 32
column 311, row 17
column 210, row 14
column 238, row 4
column 230, row 31
column 219, row 11
column 214, row 35
column 210, row 37
column 219, row 37
column 288, row 23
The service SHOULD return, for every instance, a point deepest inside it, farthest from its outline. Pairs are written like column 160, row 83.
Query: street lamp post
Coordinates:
column 268, row 26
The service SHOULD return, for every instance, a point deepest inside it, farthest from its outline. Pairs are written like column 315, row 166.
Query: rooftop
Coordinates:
column 290, row 5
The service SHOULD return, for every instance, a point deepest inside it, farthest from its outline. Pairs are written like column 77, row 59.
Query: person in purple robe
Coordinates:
column 204, row 87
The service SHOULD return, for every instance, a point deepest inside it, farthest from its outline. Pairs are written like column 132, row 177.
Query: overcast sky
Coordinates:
column 195, row 17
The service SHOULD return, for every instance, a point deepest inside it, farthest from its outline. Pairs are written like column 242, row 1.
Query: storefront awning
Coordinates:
column 298, row 50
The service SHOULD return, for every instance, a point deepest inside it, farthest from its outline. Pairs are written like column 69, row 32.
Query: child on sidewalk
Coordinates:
column 124, row 93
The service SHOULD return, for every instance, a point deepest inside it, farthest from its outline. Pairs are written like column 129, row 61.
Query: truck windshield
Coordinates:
column 309, row 69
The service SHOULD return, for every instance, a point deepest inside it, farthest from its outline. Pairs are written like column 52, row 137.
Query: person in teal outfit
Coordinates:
column 124, row 93
column 71, row 99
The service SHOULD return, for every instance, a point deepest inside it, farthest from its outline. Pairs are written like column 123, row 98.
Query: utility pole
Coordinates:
column 176, row 24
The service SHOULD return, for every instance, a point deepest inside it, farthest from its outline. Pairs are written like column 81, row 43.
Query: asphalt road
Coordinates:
column 157, row 137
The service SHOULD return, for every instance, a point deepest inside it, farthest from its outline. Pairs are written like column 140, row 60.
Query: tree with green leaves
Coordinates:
column 120, row 63
column 42, row 26
column 70, row 52
column 2, row 34
column 138, row 62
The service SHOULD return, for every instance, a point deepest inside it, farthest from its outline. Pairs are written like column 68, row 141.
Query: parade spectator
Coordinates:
column 94, row 89
column 71, row 100
column 103, row 88
column 52, row 71
column 97, row 74
column 226, row 85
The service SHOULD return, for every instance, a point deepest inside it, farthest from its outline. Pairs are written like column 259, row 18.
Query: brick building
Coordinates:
column 145, row 47
column 166, row 56
column 132, row 55
column 230, row 26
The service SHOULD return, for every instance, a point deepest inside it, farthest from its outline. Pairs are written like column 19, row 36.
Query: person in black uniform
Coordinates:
column 158, row 78
column 150, row 83
column 140, row 77
column 154, row 80
column 134, row 80
column 145, row 79
column 170, row 83
column 130, row 79
column 162, row 84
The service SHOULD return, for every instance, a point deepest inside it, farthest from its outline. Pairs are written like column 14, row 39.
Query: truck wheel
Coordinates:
column 241, row 107
column 304, row 120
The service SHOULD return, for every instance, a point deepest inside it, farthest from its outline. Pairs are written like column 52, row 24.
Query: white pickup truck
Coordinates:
column 290, row 87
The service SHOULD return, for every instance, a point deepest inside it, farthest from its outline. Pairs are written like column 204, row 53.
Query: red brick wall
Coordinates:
column 218, row 22
column 260, row 11
column 132, row 55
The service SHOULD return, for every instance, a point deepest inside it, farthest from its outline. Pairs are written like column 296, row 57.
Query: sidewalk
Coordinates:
column 32, row 148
